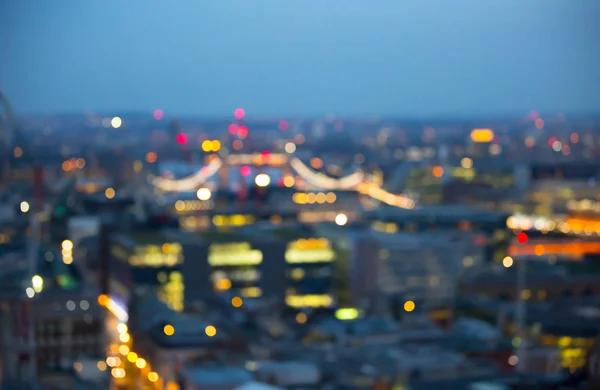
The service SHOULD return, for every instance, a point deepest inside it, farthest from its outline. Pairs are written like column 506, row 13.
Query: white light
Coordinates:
column 84, row 305
column 341, row 219
column 30, row 292
column 67, row 245
column 290, row 147
column 119, row 311
column 71, row 305
column 204, row 194
column 513, row 360
column 116, row 122
column 122, row 328
column 262, row 180
column 38, row 283
column 24, row 207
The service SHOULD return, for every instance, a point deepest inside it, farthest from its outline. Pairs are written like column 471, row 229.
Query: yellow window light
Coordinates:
column 482, row 135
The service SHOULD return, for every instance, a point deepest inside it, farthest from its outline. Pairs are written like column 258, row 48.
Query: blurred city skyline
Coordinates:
column 358, row 58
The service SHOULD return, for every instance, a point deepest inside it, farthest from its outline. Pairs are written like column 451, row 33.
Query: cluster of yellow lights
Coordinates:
column 295, row 256
column 155, row 256
column 309, row 300
column 251, row 292
column 117, row 364
column 171, row 292
column 572, row 249
column 482, row 135
column 584, row 205
column 271, row 159
column 311, row 250
column 386, row 197
column 233, row 220
column 311, row 198
column 310, row 243
column 463, row 173
column 233, row 254
column 577, row 226
column 182, row 206
column 211, row 146
column 67, row 251
column 385, row 227
column 73, row 164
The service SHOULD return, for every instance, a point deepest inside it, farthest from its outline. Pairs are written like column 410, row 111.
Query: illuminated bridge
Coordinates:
column 296, row 174
column 561, row 248
column 565, row 225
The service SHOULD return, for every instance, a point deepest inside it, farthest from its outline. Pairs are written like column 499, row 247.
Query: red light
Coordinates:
column 284, row 125
column 534, row 115
column 265, row 155
column 245, row 171
column 181, row 139
column 158, row 114
column 522, row 237
column 243, row 131
column 239, row 113
column 552, row 140
column 233, row 128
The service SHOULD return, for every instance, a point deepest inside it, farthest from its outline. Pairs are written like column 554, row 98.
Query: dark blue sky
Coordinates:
column 286, row 57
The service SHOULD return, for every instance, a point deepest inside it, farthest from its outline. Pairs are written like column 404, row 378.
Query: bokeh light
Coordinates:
column 158, row 114
column 239, row 113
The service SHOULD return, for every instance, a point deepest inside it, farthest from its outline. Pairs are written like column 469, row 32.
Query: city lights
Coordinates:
column 290, row 147
column 262, row 180
column 210, row 331
column 169, row 330
column 482, row 135
column 37, row 283
column 236, row 302
column 203, row 194
column 409, row 306
column 24, row 207
column 116, row 122
column 109, row 193
column 341, row 219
